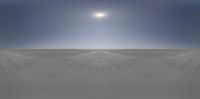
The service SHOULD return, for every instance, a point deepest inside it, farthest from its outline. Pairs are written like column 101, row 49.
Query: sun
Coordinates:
column 100, row 15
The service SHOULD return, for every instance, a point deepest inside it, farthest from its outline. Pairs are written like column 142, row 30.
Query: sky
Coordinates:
column 70, row 24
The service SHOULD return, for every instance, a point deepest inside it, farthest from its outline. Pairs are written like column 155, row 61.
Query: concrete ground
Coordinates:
column 100, row 74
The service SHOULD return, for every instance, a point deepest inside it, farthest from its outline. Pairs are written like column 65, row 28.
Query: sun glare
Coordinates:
column 99, row 15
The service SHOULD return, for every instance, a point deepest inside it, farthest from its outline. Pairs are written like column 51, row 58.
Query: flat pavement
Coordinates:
column 100, row 74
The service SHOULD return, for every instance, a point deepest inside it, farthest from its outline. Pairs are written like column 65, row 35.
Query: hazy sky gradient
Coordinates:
column 129, row 24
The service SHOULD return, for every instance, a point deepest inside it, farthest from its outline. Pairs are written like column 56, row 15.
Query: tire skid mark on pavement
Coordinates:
column 81, row 67
column 10, row 86
column 120, row 91
column 153, row 76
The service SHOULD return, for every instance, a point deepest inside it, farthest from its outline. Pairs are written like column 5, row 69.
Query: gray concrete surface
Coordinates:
column 100, row 74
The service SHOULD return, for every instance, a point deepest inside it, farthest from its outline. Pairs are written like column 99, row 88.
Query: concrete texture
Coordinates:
column 100, row 74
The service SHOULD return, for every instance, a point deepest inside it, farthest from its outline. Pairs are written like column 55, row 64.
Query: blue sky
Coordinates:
column 129, row 24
